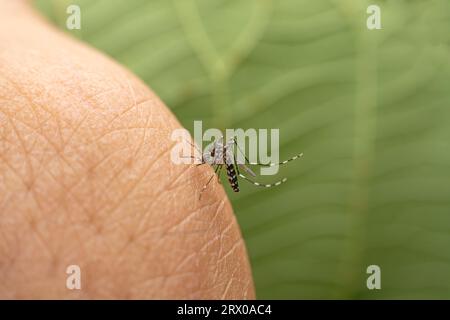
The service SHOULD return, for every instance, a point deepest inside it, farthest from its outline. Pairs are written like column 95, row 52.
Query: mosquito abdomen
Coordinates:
column 232, row 177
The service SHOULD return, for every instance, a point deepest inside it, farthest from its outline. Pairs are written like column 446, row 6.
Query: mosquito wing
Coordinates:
column 248, row 170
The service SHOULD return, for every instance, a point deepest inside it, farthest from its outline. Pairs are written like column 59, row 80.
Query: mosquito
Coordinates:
column 220, row 154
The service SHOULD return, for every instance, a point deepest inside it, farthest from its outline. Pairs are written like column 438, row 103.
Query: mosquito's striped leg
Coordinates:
column 277, row 164
column 262, row 184
column 262, row 164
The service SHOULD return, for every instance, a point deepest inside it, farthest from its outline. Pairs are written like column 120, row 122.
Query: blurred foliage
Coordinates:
column 369, row 110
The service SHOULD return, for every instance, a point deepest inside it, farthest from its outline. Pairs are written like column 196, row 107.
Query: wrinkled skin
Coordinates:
column 86, row 179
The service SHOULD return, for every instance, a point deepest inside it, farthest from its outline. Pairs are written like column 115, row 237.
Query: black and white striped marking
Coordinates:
column 232, row 177
column 262, row 184
column 279, row 163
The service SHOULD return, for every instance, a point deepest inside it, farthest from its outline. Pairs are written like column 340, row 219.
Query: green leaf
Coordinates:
column 370, row 110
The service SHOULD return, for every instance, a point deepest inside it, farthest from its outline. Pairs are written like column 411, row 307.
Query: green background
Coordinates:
column 369, row 110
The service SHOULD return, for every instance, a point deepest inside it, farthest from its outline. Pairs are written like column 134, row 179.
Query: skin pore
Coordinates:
column 86, row 179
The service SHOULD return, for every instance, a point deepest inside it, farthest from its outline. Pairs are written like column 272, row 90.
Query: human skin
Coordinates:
column 86, row 179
